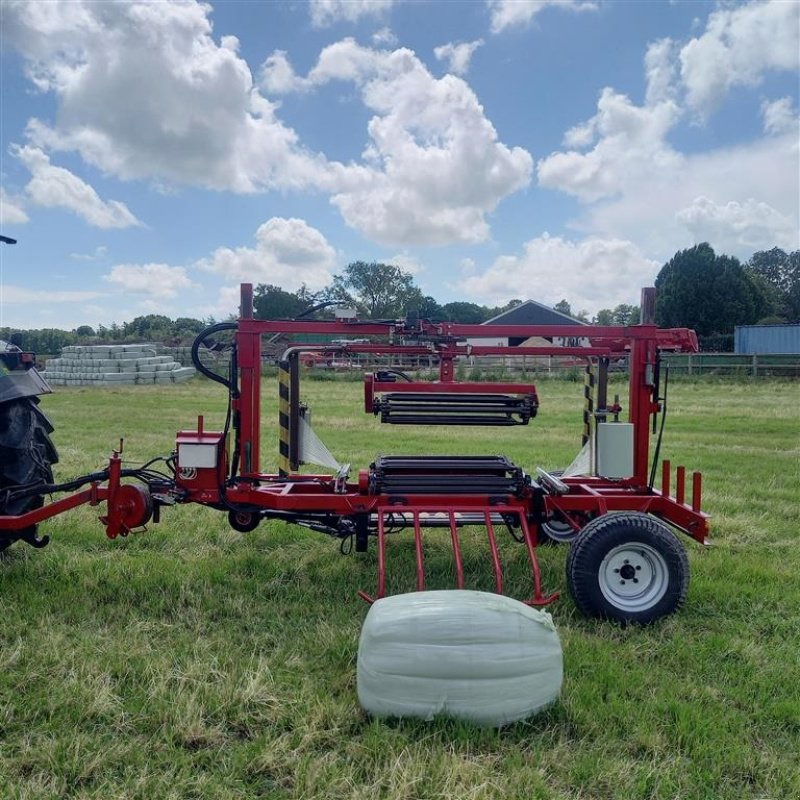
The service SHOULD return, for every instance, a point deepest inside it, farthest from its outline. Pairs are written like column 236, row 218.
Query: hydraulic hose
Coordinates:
column 199, row 340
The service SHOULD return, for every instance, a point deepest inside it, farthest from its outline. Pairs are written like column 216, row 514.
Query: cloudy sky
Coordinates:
column 154, row 155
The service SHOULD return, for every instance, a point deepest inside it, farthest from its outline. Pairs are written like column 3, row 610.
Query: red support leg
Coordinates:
column 456, row 551
column 538, row 598
column 498, row 570
column 418, row 548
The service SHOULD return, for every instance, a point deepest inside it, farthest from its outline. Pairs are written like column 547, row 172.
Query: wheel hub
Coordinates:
column 633, row 576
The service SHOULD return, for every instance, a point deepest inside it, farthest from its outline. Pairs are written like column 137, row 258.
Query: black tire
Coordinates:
column 26, row 458
column 243, row 521
column 627, row 567
column 555, row 530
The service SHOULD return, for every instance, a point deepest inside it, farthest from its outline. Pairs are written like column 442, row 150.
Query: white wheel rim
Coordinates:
column 633, row 576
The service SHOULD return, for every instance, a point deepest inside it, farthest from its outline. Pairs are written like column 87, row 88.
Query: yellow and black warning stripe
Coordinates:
column 588, row 403
column 284, row 430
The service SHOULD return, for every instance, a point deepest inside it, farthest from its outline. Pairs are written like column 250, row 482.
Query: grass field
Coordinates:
column 195, row 662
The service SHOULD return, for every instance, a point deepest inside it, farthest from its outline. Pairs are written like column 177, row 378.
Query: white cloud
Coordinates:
column 19, row 294
column 593, row 273
column 384, row 37
column 457, row 56
column 407, row 263
column 434, row 167
column 157, row 280
column 11, row 210
column 760, row 172
column 99, row 252
column 630, row 144
column 227, row 302
column 288, row 253
column 56, row 187
column 144, row 91
column 779, row 116
column 660, row 71
column 735, row 226
column 327, row 12
column 278, row 75
column 635, row 185
column 510, row 13
column 738, row 46
column 190, row 114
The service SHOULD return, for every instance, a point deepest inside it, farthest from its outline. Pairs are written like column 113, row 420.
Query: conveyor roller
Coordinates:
column 418, row 408
column 493, row 475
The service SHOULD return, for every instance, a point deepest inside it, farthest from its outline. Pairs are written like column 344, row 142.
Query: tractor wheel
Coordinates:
column 627, row 567
column 26, row 458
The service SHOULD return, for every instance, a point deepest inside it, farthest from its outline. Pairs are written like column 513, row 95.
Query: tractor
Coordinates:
column 27, row 453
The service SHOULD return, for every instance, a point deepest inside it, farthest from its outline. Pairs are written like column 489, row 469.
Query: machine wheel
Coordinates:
column 243, row 521
column 556, row 531
column 26, row 457
column 627, row 567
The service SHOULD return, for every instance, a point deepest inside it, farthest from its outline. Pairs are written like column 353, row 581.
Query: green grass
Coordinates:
column 195, row 662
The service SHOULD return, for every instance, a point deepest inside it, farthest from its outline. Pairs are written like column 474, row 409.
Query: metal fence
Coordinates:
column 753, row 365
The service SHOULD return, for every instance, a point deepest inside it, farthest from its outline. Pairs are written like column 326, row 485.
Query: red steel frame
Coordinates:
column 640, row 343
column 323, row 494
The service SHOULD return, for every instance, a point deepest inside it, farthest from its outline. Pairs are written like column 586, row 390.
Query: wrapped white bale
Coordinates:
column 473, row 655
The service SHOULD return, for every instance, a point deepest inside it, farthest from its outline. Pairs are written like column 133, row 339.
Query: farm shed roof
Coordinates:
column 532, row 313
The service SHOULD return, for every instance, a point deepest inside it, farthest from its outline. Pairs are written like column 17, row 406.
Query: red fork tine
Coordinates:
column 498, row 570
column 456, row 550
column 418, row 548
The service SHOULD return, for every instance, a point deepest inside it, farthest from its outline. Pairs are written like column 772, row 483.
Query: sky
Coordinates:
column 154, row 155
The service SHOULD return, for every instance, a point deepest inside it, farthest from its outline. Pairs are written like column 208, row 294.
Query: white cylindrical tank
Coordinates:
column 473, row 655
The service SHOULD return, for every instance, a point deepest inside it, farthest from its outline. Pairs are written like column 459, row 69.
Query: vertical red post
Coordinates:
column 697, row 490
column 642, row 380
column 665, row 470
column 640, row 398
column 446, row 371
column 680, row 484
column 248, row 351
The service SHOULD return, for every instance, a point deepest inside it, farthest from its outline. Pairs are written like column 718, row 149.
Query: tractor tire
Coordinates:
column 26, row 458
column 627, row 567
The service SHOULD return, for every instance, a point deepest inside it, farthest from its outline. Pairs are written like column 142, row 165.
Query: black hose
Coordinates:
column 196, row 344
column 661, row 430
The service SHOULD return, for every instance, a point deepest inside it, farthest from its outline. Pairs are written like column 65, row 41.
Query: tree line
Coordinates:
column 696, row 289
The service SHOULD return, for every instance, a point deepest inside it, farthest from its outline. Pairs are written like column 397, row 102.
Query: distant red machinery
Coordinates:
column 625, row 561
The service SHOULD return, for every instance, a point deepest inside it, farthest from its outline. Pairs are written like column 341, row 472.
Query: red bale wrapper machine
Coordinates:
column 625, row 561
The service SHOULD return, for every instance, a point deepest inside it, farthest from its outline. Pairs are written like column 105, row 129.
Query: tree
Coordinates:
column 151, row 328
column 563, row 307
column 623, row 314
column 711, row 294
column 379, row 291
column 430, row 308
column 84, row 330
column 272, row 302
column 778, row 273
column 465, row 313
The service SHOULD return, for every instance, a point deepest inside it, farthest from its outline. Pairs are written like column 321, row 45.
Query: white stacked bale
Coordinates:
column 114, row 365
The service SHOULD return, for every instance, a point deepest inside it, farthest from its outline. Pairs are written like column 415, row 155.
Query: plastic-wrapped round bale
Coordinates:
column 473, row 655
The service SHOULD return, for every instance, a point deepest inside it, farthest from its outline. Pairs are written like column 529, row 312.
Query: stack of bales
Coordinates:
column 111, row 365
